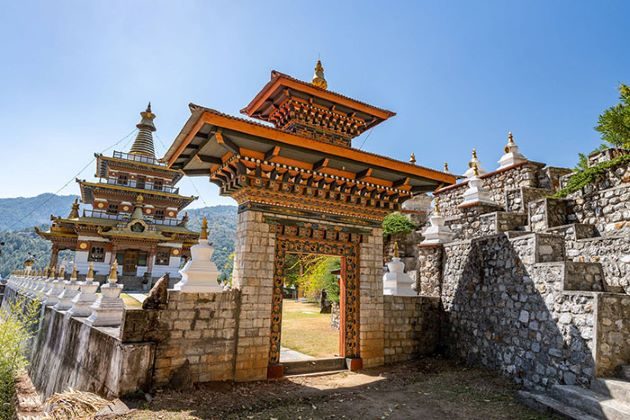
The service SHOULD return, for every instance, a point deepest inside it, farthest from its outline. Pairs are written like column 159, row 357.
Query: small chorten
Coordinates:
column 143, row 144
column 87, row 294
column 107, row 310
column 200, row 274
column 396, row 282
column 412, row 158
column 52, row 295
column 476, row 194
column 512, row 154
column 318, row 78
column 437, row 233
column 474, row 162
column 70, row 290
column 137, row 210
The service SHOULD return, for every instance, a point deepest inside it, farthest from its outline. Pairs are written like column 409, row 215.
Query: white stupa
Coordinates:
column 474, row 161
column 512, row 155
column 108, row 309
column 200, row 274
column 396, row 282
column 437, row 233
column 82, row 302
column 476, row 194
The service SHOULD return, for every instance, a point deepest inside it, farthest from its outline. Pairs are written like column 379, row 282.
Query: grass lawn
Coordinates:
column 306, row 330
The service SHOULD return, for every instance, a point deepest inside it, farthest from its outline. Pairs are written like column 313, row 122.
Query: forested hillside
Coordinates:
column 20, row 242
column 25, row 212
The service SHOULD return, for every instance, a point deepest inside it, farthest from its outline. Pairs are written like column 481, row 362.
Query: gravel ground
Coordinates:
column 431, row 388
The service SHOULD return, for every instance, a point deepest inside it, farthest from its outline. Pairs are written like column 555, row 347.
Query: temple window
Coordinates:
column 123, row 179
column 162, row 258
column 140, row 182
column 112, row 209
column 159, row 215
column 158, row 184
column 97, row 254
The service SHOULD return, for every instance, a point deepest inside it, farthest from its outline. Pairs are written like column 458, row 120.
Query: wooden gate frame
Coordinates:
column 306, row 238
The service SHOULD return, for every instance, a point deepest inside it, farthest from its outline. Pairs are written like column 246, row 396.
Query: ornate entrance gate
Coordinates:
column 319, row 240
column 301, row 187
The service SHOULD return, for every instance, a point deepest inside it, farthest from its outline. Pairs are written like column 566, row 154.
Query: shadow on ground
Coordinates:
column 431, row 388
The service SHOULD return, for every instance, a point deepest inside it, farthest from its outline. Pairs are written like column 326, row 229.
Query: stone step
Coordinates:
column 583, row 276
column 548, row 405
column 575, row 231
column 624, row 372
column 595, row 404
column 313, row 366
column 614, row 388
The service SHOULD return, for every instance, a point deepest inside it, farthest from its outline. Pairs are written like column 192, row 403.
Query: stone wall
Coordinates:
column 412, row 327
column 68, row 353
column 505, row 311
column 613, row 330
column 502, row 184
column 613, row 252
column 195, row 335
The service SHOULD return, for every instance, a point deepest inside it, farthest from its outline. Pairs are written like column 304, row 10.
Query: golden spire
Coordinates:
column 62, row 272
column 143, row 144
column 475, row 169
column 510, row 143
column 74, row 212
column 75, row 273
column 396, row 253
column 474, row 153
column 51, row 272
column 90, row 273
column 318, row 77
column 204, row 229
column 412, row 158
column 113, row 273
column 436, row 209
column 446, row 167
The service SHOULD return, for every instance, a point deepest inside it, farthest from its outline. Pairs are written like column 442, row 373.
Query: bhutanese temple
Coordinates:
column 134, row 215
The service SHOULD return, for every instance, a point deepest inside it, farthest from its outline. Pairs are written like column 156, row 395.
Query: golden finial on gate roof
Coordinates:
column 318, row 77
column 412, row 158
column 396, row 253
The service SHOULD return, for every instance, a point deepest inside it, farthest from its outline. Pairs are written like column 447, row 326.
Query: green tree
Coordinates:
column 316, row 276
column 397, row 224
column 614, row 123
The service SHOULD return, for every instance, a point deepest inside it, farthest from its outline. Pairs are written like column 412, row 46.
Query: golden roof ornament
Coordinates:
column 475, row 169
column 412, row 158
column 139, row 199
column 62, row 272
column 318, row 77
column 75, row 273
column 113, row 273
column 396, row 253
column 204, row 229
column 446, row 168
column 74, row 212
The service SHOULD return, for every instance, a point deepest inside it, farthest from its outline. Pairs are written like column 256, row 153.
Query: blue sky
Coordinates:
column 75, row 74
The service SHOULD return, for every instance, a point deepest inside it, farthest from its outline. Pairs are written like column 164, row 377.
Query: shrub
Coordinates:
column 589, row 175
column 17, row 325
column 397, row 224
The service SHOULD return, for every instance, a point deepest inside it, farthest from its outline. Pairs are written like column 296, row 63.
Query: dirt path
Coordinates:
column 427, row 389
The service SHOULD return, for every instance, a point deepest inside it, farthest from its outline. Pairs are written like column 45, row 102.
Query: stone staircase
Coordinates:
column 608, row 398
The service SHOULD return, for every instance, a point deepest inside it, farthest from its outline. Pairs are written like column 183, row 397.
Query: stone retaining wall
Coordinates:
column 613, row 330
column 508, row 314
column 412, row 327
column 613, row 252
column 68, row 353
